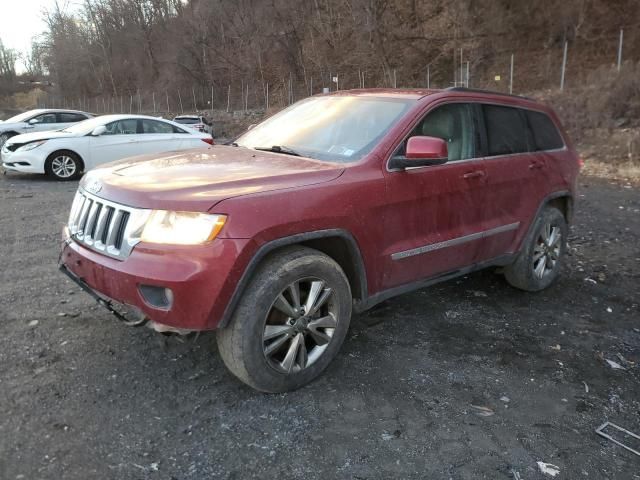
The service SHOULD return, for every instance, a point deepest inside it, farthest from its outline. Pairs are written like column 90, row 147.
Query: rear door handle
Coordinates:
column 475, row 174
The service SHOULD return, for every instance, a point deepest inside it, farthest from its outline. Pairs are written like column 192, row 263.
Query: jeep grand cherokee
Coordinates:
column 330, row 206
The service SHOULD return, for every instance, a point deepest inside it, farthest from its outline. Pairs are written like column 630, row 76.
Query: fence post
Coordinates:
column 166, row 92
column 511, row 77
column 228, row 98
column 130, row 104
column 467, row 79
column 180, row 100
column 428, row 76
column 153, row 96
column 195, row 105
column 620, row 49
column 564, row 64
column 267, row 97
column 212, row 98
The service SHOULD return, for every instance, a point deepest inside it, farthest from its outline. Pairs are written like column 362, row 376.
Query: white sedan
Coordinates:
column 66, row 153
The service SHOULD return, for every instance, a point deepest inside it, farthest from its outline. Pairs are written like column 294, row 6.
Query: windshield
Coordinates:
column 20, row 118
column 337, row 129
column 85, row 127
column 187, row 121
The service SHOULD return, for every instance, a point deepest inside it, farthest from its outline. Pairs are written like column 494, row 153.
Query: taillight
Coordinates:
column 208, row 140
column 580, row 162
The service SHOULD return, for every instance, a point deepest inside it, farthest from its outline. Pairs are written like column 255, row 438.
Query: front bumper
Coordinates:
column 201, row 279
column 26, row 162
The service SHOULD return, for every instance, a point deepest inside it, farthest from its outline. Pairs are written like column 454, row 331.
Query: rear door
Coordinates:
column 158, row 137
column 513, row 192
column 69, row 118
column 433, row 216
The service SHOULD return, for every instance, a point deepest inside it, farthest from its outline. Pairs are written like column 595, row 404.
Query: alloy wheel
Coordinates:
column 63, row 166
column 300, row 325
column 546, row 252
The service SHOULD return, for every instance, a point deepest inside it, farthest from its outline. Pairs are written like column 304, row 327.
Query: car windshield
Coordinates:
column 85, row 127
column 187, row 121
column 20, row 118
column 331, row 128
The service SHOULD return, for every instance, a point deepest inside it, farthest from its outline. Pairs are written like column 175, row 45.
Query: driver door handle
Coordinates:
column 474, row 174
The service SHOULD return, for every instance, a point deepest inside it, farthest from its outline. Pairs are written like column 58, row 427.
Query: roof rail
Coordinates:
column 479, row 90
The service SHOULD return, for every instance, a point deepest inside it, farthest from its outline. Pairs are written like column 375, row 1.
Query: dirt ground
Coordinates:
column 469, row 379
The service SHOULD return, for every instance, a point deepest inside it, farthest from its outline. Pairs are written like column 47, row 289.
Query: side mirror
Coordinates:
column 33, row 121
column 251, row 126
column 98, row 131
column 421, row 152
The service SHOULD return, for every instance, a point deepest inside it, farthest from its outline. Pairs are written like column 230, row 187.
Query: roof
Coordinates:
column 414, row 93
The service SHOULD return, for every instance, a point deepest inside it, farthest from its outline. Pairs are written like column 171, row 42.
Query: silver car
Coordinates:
column 38, row 121
column 197, row 122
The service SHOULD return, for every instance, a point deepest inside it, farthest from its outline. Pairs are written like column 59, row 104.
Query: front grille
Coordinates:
column 106, row 227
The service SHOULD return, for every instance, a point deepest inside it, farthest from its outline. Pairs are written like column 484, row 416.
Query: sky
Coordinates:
column 21, row 20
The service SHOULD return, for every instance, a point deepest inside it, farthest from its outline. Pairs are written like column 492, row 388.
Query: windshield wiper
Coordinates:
column 279, row 149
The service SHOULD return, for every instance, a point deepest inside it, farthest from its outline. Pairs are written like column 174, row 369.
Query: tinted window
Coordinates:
column 506, row 130
column 454, row 124
column 45, row 118
column 545, row 134
column 122, row 127
column 153, row 126
column 187, row 120
column 70, row 117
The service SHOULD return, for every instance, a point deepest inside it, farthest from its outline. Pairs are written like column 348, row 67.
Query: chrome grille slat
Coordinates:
column 104, row 226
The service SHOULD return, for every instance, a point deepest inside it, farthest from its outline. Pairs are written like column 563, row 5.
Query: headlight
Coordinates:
column 31, row 146
column 181, row 228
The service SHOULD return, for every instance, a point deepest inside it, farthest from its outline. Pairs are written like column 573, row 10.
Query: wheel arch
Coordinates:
column 562, row 200
column 337, row 244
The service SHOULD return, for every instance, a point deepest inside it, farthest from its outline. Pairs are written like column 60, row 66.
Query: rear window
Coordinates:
column 506, row 130
column 545, row 133
column 187, row 120
column 71, row 117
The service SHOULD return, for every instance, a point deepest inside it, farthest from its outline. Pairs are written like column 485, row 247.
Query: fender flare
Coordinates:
column 272, row 245
column 545, row 201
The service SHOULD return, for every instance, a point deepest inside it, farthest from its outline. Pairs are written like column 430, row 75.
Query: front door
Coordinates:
column 433, row 219
column 119, row 141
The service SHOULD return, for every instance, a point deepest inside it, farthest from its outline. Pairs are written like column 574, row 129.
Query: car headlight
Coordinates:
column 181, row 228
column 31, row 146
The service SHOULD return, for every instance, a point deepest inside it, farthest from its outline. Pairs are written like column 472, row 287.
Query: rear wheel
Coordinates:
column 63, row 165
column 290, row 322
column 539, row 261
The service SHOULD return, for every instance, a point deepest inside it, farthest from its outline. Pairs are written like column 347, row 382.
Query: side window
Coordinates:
column 122, row 127
column 506, row 130
column 545, row 133
column 454, row 124
column 70, row 117
column 153, row 126
column 45, row 118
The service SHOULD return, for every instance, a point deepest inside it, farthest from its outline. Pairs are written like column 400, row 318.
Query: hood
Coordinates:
column 35, row 136
column 198, row 179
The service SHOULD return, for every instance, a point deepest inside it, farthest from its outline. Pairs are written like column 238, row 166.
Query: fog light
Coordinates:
column 157, row 297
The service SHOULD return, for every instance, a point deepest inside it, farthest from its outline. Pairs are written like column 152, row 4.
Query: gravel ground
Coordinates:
column 467, row 379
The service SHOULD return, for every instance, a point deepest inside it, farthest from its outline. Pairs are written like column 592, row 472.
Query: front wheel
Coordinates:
column 63, row 165
column 538, row 263
column 290, row 322
column 4, row 137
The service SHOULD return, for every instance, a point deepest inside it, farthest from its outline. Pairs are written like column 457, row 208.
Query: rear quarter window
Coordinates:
column 506, row 130
column 545, row 134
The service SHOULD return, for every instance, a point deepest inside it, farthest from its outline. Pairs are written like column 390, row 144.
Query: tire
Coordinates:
column 538, row 263
column 4, row 137
column 64, row 165
column 294, row 355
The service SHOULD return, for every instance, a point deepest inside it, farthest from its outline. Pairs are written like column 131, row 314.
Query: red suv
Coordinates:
column 330, row 206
